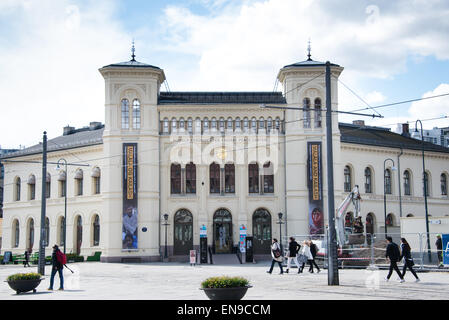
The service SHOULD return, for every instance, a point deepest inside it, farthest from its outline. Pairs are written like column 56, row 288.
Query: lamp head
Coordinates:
column 280, row 215
column 166, row 217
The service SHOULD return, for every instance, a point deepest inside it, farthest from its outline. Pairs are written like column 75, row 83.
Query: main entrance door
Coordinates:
column 183, row 241
column 261, row 232
column 223, row 231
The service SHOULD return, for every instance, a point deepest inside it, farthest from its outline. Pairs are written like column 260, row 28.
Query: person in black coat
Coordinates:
column 439, row 245
column 27, row 259
column 293, row 249
column 393, row 254
column 408, row 261
column 57, row 267
column 313, row 251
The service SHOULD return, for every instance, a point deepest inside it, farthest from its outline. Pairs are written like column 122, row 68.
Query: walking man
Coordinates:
column 314, row 251
column 57, row 267
column 439, row 245
column 293, row 249
column 393, row 254
column 26, row 263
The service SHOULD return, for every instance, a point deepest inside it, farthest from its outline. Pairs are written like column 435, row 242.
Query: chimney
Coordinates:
column 360, row 123
column 94, row 125
column 68, row 130
column 405, row 130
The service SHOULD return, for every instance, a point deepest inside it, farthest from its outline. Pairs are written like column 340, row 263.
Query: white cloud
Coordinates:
column 49, row 75
column 432, row 108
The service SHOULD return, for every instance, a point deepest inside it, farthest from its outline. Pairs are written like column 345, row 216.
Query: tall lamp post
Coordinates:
column 425, row 182
column 280, row 223
column 166, row 224
column 385, row 194
column 64, row 161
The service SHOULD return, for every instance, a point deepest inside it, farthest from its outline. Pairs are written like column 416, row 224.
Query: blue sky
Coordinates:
column 52, row 50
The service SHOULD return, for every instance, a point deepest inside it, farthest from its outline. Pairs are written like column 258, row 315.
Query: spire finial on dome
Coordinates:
column 133, row 52
column 309, row 49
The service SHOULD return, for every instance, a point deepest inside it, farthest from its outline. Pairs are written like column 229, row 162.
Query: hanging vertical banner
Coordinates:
column 129, row 230
column 242, row 238
column 315, row 186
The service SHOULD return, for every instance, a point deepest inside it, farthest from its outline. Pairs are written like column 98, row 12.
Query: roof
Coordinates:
column 220, row 98
column 132, row 64
column 383, row 137
column 310, row 63
column 80, row 138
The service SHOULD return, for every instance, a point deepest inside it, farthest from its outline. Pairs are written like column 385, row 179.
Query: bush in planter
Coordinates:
column 224, row 282
column 24, row 276
column 72, row 257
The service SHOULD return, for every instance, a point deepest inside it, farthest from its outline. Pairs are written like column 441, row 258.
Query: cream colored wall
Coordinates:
column 414, row 230
column 358, row 157
column 86, row 205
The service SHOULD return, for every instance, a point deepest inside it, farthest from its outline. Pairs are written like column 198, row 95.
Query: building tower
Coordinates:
column 304, row 88
column 131, row 143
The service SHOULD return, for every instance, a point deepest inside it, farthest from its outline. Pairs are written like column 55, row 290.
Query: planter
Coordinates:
column 233, row 293
column 24, row 285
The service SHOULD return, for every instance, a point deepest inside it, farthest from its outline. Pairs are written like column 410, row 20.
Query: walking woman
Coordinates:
column 408, row 261
column 306, row 252
column 314, row 251
column 276, row 255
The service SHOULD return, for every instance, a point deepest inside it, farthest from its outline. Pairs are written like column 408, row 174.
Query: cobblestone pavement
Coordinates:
column 178, row 281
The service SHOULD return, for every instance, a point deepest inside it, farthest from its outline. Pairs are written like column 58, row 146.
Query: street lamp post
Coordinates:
column 166, row 224
column 280, row 223
column 64, row 161
column 425, row 182
column 385, row 196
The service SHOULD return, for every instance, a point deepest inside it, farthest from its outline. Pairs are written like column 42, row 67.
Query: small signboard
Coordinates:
column 7, row 257
column 242, row 238
column 192, row 256
column 249, row 249
column 445, row 241
column 203, row 231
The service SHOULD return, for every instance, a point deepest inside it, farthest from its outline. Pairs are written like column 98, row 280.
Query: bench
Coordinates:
column 94, row 257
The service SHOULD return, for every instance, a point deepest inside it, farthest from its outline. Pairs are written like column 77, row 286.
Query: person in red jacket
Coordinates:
column 57, row 267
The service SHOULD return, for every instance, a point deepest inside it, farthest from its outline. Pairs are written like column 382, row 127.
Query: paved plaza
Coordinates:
column 180, row 281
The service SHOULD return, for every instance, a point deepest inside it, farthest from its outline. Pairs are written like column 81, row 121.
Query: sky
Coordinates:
column 50, row 53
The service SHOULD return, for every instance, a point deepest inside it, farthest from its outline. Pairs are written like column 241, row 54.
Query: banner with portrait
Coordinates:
column 315, row 187
column 129, row 213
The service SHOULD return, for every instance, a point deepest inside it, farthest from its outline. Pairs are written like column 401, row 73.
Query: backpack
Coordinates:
column 61, row 257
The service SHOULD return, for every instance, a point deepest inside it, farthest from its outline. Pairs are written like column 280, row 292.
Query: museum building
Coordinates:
column 167, row 168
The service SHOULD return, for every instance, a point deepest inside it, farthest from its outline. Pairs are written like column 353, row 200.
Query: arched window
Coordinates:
column 175, row 178
column 407, row 184
column 125, row 114
column 16, row 230
column 238, row 124
column 213, row 124
column 61, row 231
column 214, row 178
column 96, row 229
column 79, row 182
column 165, row 126
column 79, row 234
column 261, row 124
column 96, row 177
column 388, row 181
column 390, row 220
column 62, row 183
column 245, row 124
column 222, row 124
column 254, row 124
column 278, row 124
column 136, row 114
column 348, row 179
column 268, row 178
column 32, row 187
column 190, row 178
column 17, row 189
column 182, row 124
column 30, row 234
column 443, row 180
column 262, row 231
column 306, row 112
column 174, row 125
column 229, row 178
column 198, row 126
column 269, row 124
column 206, row 124
column 190, row 125
column 426, row 184
column 48, row 185
column 47, row 232
column 253, row 178
column 317, row 113
column 230, row 125
column 183, row 232
column 368, row 180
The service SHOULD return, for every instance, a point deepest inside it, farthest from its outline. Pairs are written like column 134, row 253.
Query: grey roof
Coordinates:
column 221, row 98
column 310, row 63
column 80, row 138
column 383, row 137
column 131, row 63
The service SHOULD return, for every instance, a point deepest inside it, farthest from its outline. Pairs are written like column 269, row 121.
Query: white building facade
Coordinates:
column 212, row 161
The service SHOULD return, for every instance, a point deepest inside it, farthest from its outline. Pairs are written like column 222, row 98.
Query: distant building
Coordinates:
column 439, row 136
